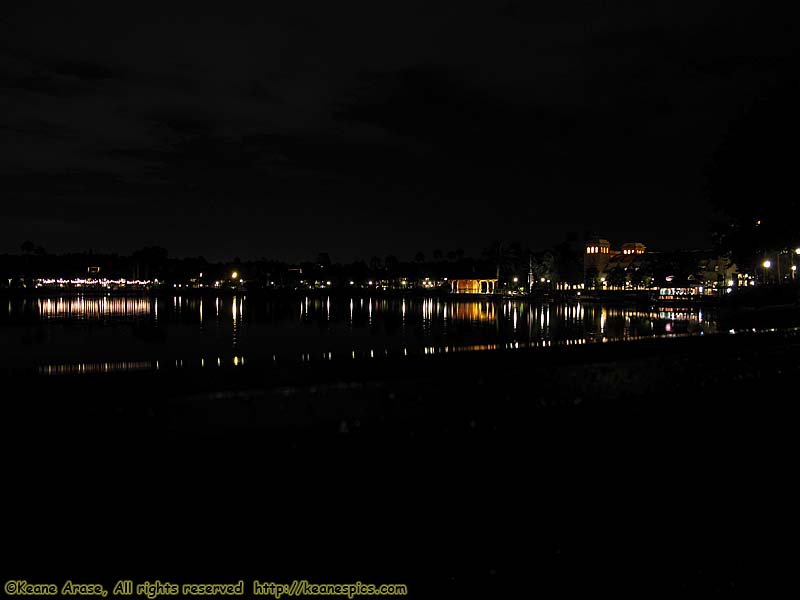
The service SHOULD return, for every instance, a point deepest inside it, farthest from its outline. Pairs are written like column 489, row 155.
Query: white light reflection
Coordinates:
column 93, row 308
column 96, row 367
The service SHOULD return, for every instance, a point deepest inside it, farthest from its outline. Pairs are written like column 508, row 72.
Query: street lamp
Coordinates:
column 234, row 275
column 766, row 264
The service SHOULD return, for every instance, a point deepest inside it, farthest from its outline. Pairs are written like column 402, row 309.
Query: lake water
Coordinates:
column 89, row 334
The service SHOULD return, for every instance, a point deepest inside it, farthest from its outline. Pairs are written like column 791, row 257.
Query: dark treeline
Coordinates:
column 500, row 260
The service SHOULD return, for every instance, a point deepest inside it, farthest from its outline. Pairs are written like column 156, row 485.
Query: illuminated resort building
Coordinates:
column 600, row 256
column 697, row 273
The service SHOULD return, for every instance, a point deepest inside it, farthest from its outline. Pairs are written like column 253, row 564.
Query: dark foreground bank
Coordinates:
column 629, row 467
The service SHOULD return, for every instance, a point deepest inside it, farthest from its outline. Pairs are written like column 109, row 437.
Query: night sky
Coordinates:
column 358, row 128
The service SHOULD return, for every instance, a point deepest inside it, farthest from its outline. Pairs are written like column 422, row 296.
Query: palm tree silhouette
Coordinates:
column 501, row 255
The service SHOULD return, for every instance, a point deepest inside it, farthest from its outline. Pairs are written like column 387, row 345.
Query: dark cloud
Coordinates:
column 83, row 69
column 40, row 128
column 26, row 71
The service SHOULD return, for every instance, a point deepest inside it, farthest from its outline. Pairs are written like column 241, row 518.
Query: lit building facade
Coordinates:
column 473, row 286
column 633, row 248
column 685, row 274
column 600, row 257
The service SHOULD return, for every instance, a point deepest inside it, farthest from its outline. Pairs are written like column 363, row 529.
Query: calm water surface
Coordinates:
column 86, row 334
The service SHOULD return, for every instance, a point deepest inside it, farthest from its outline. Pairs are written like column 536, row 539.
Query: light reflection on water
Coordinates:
column 80, row 307
column 98, row 367
column 102, row 334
